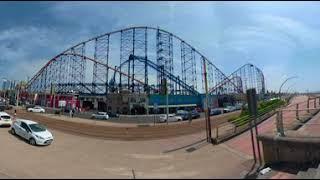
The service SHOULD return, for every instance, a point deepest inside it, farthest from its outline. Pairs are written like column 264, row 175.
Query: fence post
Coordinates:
column 308, row 105
column 279, row 123
column 217, row 132
column 297, row 111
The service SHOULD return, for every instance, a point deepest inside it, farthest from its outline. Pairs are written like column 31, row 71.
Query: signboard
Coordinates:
column 62, row 103
column 155, row 105
column 252, row 101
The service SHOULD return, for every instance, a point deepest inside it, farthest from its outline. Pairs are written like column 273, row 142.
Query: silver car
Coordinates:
column 34, row 133
column 171, row 118
column 100, row 115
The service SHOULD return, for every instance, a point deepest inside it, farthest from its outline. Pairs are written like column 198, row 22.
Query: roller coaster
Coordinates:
column 137, row 59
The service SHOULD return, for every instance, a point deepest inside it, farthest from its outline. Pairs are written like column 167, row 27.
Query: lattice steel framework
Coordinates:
column 101, row 73
column 165, row 56
column 246, row 77
column 66, row 72
column 139, row 69
column 126, row 49
column 188, row 64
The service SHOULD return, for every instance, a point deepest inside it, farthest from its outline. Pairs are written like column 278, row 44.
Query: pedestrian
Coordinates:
column 15, row 114
column 70, row 112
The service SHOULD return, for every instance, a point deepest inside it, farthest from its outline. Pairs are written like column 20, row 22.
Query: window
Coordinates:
column 37, row 127
column 5, row 117
column 25, row 126
column 18, row 123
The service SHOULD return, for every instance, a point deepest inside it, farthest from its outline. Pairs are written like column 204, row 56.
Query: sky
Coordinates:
column 281, row 38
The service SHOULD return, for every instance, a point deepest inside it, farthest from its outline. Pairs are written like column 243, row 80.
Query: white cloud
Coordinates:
column 26, row 49
column 295, row 30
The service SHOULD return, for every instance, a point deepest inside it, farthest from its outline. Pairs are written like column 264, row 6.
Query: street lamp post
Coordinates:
column 289, row 88
column 284, row 83
column 4, row 88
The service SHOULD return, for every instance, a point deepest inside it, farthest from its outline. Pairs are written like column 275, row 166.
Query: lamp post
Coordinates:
column 4, row 88
column 289, row 88
column 284, row 83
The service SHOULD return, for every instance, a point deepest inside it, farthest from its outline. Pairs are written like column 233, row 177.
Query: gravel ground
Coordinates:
column 99, row 129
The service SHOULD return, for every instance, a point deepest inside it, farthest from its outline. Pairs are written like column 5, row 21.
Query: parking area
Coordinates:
column 72, row 156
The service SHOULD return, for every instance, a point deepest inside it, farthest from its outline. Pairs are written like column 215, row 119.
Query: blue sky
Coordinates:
column 281, row 38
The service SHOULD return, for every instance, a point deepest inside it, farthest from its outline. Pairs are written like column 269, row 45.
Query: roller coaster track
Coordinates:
column 67, row 68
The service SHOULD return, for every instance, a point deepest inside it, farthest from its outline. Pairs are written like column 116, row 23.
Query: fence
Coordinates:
column 142, row 120
column 291, row 119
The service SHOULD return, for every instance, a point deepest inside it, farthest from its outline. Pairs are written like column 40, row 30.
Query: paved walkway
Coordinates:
column 242, row 142
column 312, row 127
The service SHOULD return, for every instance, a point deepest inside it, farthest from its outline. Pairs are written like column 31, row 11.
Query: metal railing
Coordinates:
column 294, row 118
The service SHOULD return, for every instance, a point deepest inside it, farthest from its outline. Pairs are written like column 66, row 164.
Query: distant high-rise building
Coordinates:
column 8, row 84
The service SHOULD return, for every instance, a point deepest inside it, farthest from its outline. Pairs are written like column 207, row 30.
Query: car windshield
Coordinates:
column 5, row 117
column 37, row 127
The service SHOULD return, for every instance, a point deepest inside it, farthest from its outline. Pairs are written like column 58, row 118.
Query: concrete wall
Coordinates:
column 298, row 150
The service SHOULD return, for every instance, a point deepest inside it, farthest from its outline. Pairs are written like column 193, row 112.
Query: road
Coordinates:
column 72, row 156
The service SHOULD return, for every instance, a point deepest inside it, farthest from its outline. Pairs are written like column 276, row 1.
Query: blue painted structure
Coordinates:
column 199, row 100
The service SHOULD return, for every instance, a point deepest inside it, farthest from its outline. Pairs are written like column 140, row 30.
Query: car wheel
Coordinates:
column 32, row 141
column 13, row 132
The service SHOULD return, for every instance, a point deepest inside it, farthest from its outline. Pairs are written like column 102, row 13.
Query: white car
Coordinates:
column 5, row 119
column 100, row 115
column 34, row 133
column 36, row 109
column 229, row 109
column 171, row 118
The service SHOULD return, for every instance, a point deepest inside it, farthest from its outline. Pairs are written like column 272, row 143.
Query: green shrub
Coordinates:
column 263, row 108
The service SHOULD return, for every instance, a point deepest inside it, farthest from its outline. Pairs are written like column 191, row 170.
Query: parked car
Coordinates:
column 215, row 112
column 111, row 114
column 34, row 133
column 29, row 106
column 238, row 106
column 171, row 118
column 198, row 109
column 195, row 114
column 2, row 107
column 100, row 115
column 5, row 119
column 37, row 109
column 183, row 114
column 229, row 109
